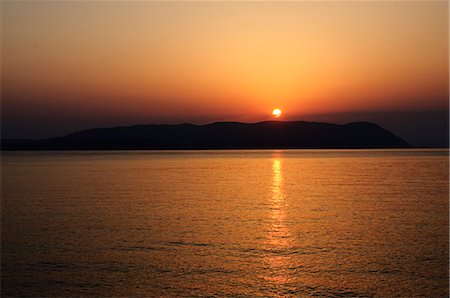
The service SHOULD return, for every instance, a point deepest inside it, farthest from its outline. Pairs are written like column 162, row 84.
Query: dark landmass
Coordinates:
column 220, row 135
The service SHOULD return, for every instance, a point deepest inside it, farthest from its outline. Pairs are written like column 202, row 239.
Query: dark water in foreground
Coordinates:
column 225, row 223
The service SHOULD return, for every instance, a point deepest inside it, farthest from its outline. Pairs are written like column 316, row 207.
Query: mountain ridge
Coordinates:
column 220, row 135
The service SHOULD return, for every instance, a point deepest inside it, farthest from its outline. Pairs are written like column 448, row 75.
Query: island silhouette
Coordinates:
column 220, row 135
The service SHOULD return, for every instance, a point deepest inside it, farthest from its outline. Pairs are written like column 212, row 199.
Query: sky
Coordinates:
column 72, row 65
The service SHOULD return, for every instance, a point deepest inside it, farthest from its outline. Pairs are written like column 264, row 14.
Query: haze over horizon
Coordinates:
column 68, row 66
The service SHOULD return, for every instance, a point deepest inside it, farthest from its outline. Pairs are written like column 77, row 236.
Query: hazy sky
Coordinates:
column 73, row 65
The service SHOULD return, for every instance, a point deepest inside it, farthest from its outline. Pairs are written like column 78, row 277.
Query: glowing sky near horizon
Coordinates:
column 144, row 62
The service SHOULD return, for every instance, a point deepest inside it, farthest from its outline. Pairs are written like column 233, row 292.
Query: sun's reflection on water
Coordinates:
column 277, row 180
column 278, row 238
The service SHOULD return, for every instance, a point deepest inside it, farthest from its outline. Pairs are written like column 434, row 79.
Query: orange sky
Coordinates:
column 132, row 62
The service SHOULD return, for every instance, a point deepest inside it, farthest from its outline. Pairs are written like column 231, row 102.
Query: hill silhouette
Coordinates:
column 220, row 135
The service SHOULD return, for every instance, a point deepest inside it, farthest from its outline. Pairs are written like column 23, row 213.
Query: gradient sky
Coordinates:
column 74, row 65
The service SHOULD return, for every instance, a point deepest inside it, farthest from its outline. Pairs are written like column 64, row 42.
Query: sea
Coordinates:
column 225, row 223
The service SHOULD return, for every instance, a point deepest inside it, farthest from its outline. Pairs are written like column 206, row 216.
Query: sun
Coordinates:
column 276, row 113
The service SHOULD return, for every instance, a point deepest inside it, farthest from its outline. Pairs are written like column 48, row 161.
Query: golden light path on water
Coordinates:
column 279, row 239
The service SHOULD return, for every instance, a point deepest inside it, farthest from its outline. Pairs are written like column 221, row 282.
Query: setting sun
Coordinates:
column 276, row 113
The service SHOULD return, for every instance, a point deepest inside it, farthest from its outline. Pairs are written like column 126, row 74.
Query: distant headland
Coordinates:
column 220, row 135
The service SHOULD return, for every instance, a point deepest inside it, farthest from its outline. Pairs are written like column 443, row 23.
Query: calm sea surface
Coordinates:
column 370, row 223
